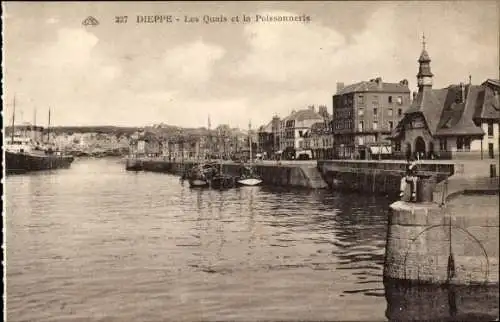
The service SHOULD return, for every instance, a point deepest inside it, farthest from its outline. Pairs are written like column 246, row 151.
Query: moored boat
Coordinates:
column 248, row 177
column 200, row 175
column 25, row 153
column 22, row 155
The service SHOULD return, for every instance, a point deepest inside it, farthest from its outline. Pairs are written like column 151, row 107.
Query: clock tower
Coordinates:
column 424, row 76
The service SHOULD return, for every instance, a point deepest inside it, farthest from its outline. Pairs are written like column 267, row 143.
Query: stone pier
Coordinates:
column 286, row 174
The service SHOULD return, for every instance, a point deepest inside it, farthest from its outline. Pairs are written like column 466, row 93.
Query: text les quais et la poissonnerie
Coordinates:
column 210, row 19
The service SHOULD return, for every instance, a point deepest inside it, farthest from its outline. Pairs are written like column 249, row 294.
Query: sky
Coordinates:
column 180, row 73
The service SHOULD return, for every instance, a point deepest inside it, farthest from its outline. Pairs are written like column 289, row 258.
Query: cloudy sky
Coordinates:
column 179, row 73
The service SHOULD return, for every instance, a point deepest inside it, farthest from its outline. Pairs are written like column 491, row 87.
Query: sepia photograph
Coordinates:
column 251, row 161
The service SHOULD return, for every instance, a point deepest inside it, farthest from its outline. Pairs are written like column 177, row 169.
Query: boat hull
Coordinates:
column 23, row 162
column 197, row 183
column 249, row 182
column 133, row 165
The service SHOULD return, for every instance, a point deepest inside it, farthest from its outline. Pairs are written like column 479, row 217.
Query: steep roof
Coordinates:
column 373, row 86
column 266, row 128
column 306, row 114
column 430, row 104
column 457, row 118
column 488, row 103
column 442, row 112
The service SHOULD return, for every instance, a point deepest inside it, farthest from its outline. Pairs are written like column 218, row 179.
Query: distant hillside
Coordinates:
column 162, row 129
column 105, row 129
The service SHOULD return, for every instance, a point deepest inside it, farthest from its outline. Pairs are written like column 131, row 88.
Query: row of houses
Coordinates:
column 377, row 119
column 305, row 131
column 202, row 143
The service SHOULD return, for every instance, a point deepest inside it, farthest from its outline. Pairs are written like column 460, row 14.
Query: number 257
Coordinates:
column 121, row 19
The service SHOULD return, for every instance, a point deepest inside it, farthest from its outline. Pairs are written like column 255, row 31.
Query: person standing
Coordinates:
column 408, row 185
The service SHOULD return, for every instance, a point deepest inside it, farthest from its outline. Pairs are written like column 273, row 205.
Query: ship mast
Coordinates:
column 13, row 118
column 48, row 129
column 250, row 139
column 34, row 131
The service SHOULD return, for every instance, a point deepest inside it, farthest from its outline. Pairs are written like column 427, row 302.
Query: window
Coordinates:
column 400, row 100
column 390, row 99
column 361, row 126
column 397, row 146
column 463, row 143
column 361, row 112
column 400, row 111
column 460, row 143
column 375, row 100
column 389, row 111
column 490, row 129
column 391, row 125
column 443, row 144
column 361, row 99
column 375, row 125
column 375, row 112
column 467, row 144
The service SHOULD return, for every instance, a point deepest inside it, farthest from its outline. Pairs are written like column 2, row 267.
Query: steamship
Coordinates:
column 22, row 155
column 25, row 153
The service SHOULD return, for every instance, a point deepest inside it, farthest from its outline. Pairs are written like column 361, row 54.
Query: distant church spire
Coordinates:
column 423, row 41
column 209, row 123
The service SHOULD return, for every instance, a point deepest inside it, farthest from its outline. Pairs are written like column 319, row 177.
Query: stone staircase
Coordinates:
column 315, row 179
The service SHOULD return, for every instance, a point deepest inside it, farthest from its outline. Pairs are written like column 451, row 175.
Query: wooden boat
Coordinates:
column 248, row 177
column 199, row 176
column 133, row 164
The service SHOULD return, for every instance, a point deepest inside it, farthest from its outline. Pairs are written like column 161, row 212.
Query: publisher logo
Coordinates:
column 90, row 21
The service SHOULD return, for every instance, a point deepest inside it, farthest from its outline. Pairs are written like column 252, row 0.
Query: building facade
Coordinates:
column 365, row 113
column 294, row 129
column 460, row 121
column 319, row 141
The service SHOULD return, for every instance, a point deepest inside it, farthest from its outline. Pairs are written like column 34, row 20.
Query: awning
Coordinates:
column 384, row 149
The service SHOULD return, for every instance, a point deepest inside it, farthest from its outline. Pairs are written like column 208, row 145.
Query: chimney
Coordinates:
column 404, row 82
column 323, row 110
column 311, row 108
column 340, row 86
column 378, row 80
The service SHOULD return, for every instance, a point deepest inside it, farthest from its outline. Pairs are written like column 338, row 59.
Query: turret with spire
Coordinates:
column 424, row 76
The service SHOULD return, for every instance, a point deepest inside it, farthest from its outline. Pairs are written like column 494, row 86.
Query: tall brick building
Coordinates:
column 364, row 114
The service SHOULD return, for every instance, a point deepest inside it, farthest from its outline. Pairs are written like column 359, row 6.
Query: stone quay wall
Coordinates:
column 455, row 243
column 407, row 302
column 300, row 174
column 377, row 176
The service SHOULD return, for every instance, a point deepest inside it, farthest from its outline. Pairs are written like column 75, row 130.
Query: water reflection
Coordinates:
column 440, row 303
column 141, row 246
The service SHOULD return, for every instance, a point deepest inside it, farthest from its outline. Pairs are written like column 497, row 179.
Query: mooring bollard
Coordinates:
column 425, row 188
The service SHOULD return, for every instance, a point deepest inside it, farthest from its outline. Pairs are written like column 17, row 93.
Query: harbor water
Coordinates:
column 97, row 243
